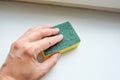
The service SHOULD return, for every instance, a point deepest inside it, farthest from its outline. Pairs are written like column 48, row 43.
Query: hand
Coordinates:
column 22, row 63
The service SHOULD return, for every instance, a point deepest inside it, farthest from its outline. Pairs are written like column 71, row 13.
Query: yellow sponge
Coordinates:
column 70, row 41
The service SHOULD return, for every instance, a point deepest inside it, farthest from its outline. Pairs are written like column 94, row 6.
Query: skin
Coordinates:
column 22, row 63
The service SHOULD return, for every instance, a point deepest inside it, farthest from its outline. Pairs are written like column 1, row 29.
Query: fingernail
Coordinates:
column 58, row 55
column 61, row 35
column 57, row 29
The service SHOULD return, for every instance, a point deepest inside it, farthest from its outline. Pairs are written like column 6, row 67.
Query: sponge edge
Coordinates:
column 70, row 41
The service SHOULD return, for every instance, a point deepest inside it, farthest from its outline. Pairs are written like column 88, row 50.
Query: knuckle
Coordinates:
column 31, row 50
column 27, row 49
column 50, row 32
column 35, row 50
column 54, row 31
column 54, row 61
column 42, row 74
column 48, row 39
column 31, row 29
column 47, row 32
column 42, row 33
column 57, row 38
column 43, row 69
column 49, row 43
column 17, row 44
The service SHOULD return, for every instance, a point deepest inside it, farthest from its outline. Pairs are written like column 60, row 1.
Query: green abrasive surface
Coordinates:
column 70, row 38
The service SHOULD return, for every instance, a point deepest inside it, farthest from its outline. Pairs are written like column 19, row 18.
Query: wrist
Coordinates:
column 4, row 76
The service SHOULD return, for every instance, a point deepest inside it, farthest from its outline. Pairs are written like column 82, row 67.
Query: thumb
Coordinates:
column 51, row 62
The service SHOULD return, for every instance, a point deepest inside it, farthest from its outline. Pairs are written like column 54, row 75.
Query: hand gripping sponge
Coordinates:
column 70, row 41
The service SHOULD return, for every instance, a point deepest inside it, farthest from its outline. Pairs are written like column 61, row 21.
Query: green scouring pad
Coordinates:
column 70, row 41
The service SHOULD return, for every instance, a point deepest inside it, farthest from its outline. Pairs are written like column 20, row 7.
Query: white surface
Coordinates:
column 98, row 56
column 108, row 5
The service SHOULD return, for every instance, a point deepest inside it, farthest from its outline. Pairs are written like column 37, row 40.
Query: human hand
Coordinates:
column 22, row 63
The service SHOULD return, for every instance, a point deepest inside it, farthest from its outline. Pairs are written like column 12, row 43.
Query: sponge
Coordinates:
column 70, row 41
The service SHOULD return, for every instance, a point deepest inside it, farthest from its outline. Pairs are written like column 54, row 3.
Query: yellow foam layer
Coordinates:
column 61, row 51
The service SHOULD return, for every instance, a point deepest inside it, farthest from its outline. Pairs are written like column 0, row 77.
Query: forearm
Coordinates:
column 4, row 76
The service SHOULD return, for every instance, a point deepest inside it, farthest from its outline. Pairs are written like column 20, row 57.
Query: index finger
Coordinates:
column 45, row 43
column 34, row 29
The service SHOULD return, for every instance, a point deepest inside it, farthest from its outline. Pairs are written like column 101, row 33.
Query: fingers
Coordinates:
column 50, row 63
column 35, row 30
column 45, row 43
column 37, row 35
